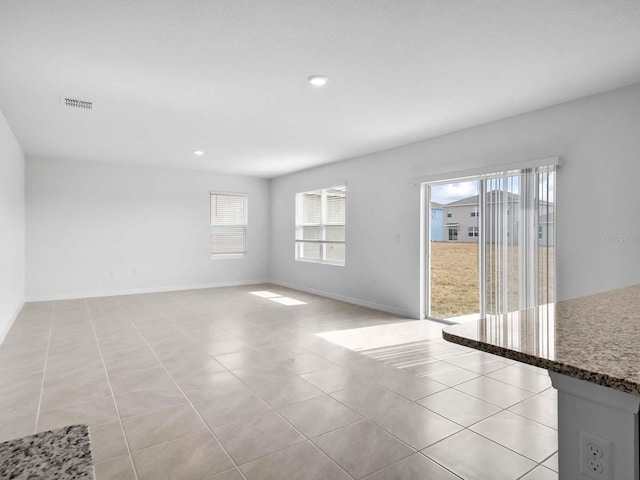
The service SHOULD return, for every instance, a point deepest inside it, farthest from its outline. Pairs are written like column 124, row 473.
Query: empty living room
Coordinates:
column 304, row 240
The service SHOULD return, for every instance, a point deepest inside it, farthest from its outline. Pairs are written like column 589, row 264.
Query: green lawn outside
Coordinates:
column 455, row 282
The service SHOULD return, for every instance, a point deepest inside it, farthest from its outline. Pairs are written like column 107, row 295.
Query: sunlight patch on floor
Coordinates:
column 288, row 301
column 265, row 294
column 379, row 336
column 275, row 297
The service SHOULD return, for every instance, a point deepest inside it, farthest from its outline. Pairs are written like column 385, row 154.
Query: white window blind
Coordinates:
column 518, row 237
column 321, row 225
column 228, row 225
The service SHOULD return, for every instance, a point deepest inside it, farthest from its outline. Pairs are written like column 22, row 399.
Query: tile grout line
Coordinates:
column 369, row 475
column 537, row 464
column 315, row 353
column 372, row 422
column 268, row 406
column 113, row 397
column 541, row 464
column 511, row 449
column 363, row 418
column 189, row 401
column 307, row 439
column 554, row 453
column 44, row 371
column 489, row 439
column 502, row 409
column 415, row 450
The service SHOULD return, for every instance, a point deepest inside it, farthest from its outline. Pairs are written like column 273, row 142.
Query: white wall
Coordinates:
column 598, row 198
column 11, row 227
column 97, row 229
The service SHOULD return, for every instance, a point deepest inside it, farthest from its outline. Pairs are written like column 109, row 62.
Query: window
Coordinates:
column 228, row 225
column 321, row 225
column 449, row 213
column 453, row 234
column 473, row 231
column 474, row 213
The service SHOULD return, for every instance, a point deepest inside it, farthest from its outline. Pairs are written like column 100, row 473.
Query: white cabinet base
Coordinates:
column 603, row 413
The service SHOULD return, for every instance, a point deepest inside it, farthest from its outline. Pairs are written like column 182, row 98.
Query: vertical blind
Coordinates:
column 517, row 240
column 321, row 225
column 228, row 224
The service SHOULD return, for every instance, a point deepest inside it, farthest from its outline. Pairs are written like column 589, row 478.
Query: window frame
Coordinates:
column 324, row 223
column 427, row 181
column 538, row 175
column 241, row 227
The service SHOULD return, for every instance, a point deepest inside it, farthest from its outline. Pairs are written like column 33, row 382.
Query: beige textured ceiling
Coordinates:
column 229, row 77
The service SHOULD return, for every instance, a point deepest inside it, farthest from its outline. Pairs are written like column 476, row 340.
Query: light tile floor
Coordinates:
column 225, row 384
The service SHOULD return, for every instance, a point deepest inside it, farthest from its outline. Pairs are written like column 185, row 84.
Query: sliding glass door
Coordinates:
column 453, row 246
column 509, row 222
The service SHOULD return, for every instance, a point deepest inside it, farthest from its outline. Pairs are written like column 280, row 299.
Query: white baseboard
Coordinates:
column 3, row 335
column 356, row 301
column 323, row 293
column 134, row 291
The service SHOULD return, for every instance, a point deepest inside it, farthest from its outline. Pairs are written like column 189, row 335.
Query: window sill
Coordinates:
column 228, row 257
column 321, row 262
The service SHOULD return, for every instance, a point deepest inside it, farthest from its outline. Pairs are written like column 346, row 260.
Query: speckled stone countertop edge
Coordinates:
column 63, row 453
column 558, row 367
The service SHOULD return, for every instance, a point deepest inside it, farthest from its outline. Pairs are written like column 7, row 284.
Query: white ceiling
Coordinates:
column 229, row 76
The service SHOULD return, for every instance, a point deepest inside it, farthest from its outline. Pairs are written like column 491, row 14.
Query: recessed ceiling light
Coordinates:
column 318, row 80
column 198, row 152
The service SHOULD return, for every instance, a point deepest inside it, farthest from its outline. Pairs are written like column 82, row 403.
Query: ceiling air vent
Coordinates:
column 75, row 103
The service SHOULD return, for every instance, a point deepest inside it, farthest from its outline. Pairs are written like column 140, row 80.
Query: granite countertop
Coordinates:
column 62, row 454
column 594, row 338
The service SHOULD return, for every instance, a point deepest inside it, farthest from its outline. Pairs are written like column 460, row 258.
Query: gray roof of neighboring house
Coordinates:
column 513, row 197
column 464, row 201
column 436, row 205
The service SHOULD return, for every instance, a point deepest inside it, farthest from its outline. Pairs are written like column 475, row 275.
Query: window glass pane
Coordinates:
column 335, row 233
column 312, row 207
column 309, row 233
column 228, row 241
column 335, row 206
column 228, row 209
column 309, row 251
column 334, row 252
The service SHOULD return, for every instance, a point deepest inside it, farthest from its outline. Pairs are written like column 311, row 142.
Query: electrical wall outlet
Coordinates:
column 596, row 460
